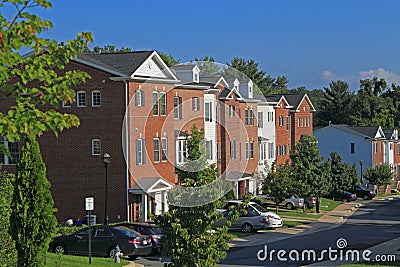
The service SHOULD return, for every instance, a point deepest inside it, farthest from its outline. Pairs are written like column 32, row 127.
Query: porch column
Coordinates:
column 145, row 209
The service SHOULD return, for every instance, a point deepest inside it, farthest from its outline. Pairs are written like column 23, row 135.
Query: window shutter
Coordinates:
column 136, row 98
column 137, row 151
column 144, row 151
column 142, row 95
column 180, row 107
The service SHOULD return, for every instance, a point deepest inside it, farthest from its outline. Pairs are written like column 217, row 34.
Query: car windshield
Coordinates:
column 362, row 187
column 259, row 208
column 127, row 231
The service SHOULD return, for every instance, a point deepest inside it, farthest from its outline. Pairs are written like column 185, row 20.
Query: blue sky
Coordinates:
column 311, row 42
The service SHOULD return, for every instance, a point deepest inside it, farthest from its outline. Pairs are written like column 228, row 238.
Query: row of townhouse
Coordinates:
column 137, row 110
column 365, row 146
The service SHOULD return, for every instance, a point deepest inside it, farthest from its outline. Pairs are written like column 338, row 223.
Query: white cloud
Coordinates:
column 389, row 76
column 328, row 75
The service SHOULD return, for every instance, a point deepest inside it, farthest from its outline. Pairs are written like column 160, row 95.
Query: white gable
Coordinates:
column 150, row 68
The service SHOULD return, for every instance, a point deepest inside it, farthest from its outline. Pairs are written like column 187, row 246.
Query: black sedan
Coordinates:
column 362, row 192
column 149, row 229
column 343, row 196
column 104, row 241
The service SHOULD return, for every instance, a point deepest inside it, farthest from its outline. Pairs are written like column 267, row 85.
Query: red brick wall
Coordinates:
column 301, row 123
column 282, row 134
column 72, row 170
column 379, row 157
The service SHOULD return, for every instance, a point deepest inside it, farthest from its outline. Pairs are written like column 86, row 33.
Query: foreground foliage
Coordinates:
column 7, row 245
column 32, row 219
column 189, row 241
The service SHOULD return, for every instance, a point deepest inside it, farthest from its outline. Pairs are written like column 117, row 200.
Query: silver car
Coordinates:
column 290, row 202
column 272, row 220
column 246, row 223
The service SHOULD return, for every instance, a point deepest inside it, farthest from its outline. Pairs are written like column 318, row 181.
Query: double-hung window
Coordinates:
column 249, row 118
column 140, row 151
column 177, row 107
column 231, row 111
column 96, row 99
column 208, row 112
column 81, row 99
column 260, row 119
column 155, row 104
column 209, row 150
column 181, row 151
column 96, row 147
column 195, row 103
column 164, row 149
column 232, row 149
column 249, row 150
column 13, row 150
column 156, row 143
column 139, row 98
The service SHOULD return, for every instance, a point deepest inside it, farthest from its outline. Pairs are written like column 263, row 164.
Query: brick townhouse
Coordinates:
column 137, row 109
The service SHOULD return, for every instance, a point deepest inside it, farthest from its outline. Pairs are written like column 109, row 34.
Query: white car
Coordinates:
column 272, row 219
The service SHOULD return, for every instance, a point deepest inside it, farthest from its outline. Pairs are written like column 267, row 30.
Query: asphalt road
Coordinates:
column 374, row 223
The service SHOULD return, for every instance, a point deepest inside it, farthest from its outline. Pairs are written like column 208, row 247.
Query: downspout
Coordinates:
column 127, row 142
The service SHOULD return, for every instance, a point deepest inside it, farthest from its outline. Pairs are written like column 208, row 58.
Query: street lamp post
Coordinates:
column 361, row 169
column 106, row 160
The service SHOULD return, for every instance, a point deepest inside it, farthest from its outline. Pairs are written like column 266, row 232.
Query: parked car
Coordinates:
column 362, row 192
column 149, row 229
column 104, row 241
column 344, row 196
column 290, row 202
column 310, row 202
column 272, row 219
column 247, row 223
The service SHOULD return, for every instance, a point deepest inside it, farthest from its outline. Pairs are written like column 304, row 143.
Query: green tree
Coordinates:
column 311, row 174
column 207, row 66
column 38, row 83
column 343, row 176
column 33, row 87
column 32, row 218
column 108, row 49
column 168, row 59
column 278, row 183
column 187, row 229
column 379, row 175
column 7, row 245
column 370, row 108
column 336, row 105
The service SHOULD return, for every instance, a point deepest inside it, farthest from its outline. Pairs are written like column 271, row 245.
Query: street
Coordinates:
column 375, row 222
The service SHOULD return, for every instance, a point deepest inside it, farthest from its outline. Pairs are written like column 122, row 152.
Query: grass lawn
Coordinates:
column 78, row 261
column 298, row 213
column 328, row 204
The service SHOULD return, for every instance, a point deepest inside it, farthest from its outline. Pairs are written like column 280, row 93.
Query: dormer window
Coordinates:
column 250, row 88
column 196, row 77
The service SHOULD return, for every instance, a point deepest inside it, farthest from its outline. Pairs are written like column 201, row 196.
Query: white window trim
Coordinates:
column 93, row 103
column 164, row 149
column 158, row 151
column 93, row 147
column 77, row 99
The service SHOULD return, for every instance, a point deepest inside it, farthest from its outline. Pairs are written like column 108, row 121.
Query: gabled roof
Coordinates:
column 214, row 80
column 226, row 93
column 126, row 64
column 151, row 184
column 184, row 67
column 293, row 100
column 369, row 132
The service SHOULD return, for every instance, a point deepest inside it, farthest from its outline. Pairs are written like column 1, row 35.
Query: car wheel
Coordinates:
column 247, row 228
column 345, row 200
column 289, row 206
column 365, row 197
column 111, row 252
column 60, row 249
